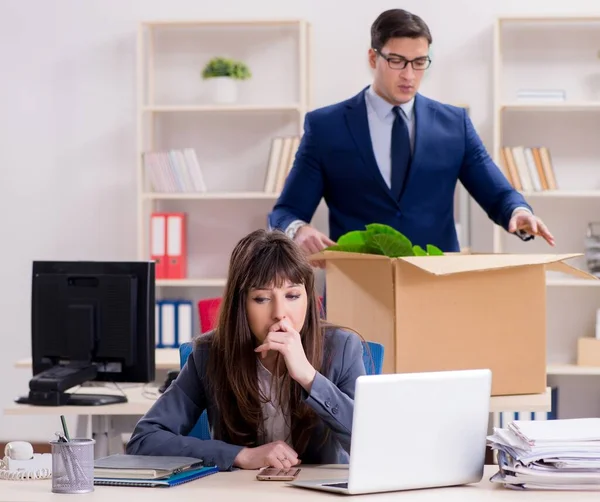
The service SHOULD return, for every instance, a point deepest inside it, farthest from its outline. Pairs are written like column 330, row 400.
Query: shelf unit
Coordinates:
column 168, row 100
column 504, row 105
column 555, row 52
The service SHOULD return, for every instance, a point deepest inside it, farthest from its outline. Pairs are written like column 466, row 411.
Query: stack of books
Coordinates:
column 559, row 454
column 149, row 471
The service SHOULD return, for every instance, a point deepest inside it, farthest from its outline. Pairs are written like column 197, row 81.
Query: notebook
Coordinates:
column 173, row 480
column 142, row 466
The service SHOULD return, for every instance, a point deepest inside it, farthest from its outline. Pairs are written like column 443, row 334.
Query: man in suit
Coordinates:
column 390, row 155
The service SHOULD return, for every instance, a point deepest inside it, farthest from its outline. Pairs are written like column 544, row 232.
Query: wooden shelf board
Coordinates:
column 564, row 193
column 552, row 106
column 566, row 18
column 220, row 22
column 185, row 283
column 572, row 370
column 221, row 108
column 572, row 282
column 212, row 196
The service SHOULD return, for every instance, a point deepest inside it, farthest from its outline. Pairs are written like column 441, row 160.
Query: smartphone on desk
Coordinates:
column 275, row 474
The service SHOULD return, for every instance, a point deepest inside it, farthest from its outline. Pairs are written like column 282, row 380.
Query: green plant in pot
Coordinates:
column 223, row 74
column 381, row 239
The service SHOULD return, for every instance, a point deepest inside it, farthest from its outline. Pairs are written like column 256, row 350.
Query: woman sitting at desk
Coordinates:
column 277, row 382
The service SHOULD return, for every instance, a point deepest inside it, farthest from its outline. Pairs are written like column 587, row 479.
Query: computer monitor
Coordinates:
column 90, row 321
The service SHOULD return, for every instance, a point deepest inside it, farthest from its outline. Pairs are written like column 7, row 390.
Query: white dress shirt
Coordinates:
column 381, row 117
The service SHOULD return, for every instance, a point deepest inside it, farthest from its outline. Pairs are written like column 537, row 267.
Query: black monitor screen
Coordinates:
column 95, row 312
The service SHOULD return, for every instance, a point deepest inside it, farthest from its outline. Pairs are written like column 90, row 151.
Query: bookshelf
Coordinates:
column 231, row 142
column 558, row 55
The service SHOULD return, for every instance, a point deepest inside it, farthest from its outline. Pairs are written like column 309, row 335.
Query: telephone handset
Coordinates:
column 20, row 463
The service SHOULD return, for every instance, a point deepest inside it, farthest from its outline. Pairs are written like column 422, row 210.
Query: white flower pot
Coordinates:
column 223, row 90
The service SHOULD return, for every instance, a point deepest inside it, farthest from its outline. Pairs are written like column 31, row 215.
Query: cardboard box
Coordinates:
column 588, row 352
column 458, row 311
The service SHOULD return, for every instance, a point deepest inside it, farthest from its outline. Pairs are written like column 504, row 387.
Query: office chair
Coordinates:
column 372, row 357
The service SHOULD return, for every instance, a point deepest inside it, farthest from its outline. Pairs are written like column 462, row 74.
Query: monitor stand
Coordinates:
column 48, row 387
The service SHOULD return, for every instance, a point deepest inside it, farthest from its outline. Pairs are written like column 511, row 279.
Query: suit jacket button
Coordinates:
column 327, row 403
column 335, row 409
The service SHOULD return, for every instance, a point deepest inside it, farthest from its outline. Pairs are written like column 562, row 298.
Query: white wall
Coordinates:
column 67, row 117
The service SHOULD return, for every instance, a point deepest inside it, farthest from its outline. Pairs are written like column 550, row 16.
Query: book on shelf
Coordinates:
column 174, row 321
column 173, row 171
column 168, row 244
column 528, row 169
column 281, row 159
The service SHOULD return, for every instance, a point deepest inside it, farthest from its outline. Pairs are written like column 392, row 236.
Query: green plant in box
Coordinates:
column 224, row 67
column 381, row 239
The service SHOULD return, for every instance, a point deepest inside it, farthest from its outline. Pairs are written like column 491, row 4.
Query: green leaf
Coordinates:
column 348, row 248
column 357, row 241
column 434, row 250
column 392, row 245
column 381, row 239
column 394, row 242
column 380, row 228
column 352, row 238
column 419, row 251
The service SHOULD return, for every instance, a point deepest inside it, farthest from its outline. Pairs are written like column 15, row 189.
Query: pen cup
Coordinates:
column 73, row 466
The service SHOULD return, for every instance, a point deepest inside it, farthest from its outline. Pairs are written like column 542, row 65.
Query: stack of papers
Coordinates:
column 552, row 455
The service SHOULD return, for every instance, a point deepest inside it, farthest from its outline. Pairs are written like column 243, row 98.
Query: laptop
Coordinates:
column 415, row 430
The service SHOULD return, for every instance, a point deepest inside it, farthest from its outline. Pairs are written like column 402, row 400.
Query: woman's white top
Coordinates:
column 276, row 424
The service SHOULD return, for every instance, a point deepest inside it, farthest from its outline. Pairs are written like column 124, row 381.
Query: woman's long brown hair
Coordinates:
column 262, row 258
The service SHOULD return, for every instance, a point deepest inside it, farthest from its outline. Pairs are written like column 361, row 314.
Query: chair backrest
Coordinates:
column 201, row 429
column 373, row 357
column 185, row 349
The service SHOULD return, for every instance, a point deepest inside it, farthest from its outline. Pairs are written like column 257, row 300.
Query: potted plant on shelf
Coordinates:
column 223, row 75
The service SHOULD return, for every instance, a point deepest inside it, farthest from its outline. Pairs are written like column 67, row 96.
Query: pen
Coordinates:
column 64, row 426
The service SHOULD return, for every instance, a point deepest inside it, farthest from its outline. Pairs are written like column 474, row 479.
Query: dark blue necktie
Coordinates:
column 400, row 152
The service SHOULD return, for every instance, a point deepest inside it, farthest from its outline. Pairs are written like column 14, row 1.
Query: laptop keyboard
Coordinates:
column 337, row 485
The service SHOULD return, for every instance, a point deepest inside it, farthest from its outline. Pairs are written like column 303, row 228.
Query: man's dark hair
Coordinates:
column 396, row 23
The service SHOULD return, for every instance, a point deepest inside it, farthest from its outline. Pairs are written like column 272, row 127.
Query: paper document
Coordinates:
column 557, row 431
column 549, row 455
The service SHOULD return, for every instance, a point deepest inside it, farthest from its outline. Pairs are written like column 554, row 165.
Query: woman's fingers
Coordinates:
column 288, row 452
column 270, row 345
column 274, row 461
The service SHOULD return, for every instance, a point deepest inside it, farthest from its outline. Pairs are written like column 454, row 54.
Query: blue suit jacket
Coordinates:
column 163, row 429
column 335, row 160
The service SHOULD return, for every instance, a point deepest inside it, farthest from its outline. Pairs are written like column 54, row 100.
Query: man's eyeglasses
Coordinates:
column 396, row 62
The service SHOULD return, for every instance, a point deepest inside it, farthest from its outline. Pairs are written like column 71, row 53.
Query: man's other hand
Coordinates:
column 311, row 241
column 524, row 220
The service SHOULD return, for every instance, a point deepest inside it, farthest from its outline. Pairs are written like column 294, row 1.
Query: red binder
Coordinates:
column 176, row 245
column 158, row 244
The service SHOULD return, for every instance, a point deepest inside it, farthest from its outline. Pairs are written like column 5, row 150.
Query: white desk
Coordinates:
column 165, row 359
column 108, row 422
column 242, row 485
column 112, row 420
